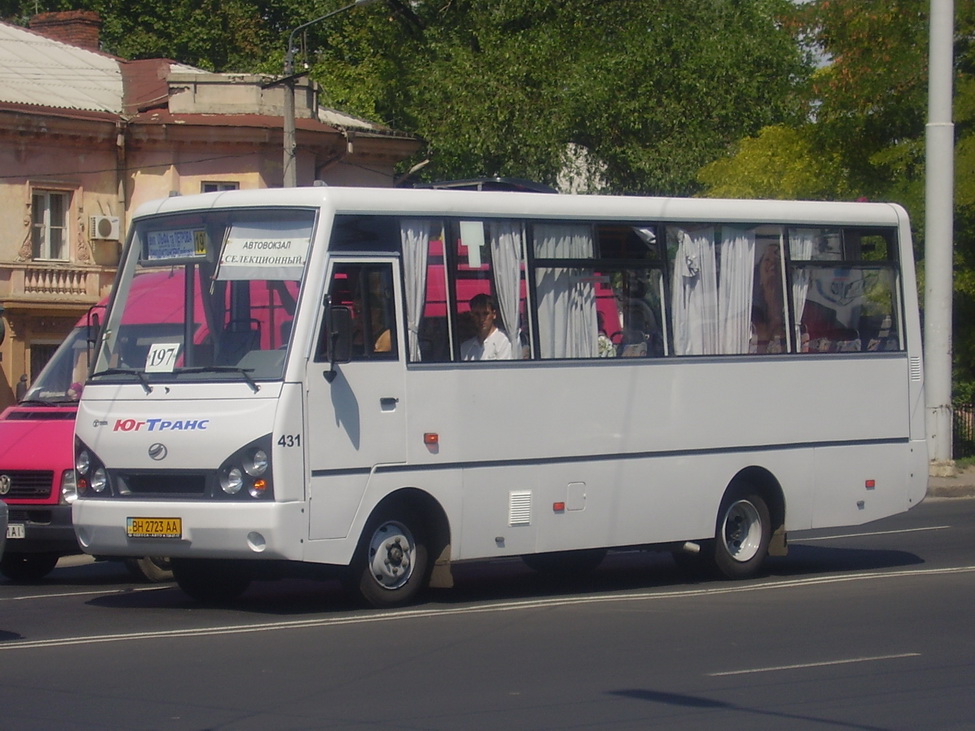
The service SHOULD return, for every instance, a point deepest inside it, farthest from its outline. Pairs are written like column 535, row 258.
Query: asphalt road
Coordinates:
column 864, row 628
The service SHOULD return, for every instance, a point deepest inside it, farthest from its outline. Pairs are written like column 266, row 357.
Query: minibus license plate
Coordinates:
column 154, row 527
column 16, row 530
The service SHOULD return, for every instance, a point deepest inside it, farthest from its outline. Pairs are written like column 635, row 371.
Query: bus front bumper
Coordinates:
column 265, row 531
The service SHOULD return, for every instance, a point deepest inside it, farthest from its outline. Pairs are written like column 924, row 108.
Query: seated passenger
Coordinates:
column 489, row 343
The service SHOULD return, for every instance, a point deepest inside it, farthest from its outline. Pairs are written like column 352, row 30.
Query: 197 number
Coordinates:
column 290, row 440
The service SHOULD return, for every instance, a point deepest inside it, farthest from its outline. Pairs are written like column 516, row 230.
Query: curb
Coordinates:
column 945, row 487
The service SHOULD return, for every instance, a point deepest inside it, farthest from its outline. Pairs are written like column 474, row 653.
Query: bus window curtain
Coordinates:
column 415, row 235
column 800, row 249
column 507, row 242
column 735, row 291
column 694, row 297
column 566, row 297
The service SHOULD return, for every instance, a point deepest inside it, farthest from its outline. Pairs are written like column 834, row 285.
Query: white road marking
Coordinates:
column 867, row 535
column 61, row 595
column 805, row 665
column 439, row 612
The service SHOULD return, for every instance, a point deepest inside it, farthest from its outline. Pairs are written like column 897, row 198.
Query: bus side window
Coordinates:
column 367, row 290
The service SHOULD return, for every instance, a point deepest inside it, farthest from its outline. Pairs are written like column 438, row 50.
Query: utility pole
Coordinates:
column 290, row 143
column 938, row 237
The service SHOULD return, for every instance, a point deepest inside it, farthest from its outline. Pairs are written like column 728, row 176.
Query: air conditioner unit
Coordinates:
column 105, row 227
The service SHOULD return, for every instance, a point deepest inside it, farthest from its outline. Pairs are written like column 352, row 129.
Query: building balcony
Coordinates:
column 53, row 283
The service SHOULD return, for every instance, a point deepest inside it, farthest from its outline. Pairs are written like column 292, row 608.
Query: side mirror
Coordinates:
column 93, row 330
column 338, row 325
column 94, row 325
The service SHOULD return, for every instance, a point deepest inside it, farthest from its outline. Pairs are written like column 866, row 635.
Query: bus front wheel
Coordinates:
column 742, row 535
column 391, row 562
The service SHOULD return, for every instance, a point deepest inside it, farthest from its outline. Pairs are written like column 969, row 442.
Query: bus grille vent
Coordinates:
column 520, row 508
column 162, row 484
column 915, row 368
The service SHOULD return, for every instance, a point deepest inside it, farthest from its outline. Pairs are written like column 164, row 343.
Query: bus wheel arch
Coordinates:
column 751, row 512
column 404, row 546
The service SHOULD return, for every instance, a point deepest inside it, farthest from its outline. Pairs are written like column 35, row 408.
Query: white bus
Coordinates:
column 700, row 376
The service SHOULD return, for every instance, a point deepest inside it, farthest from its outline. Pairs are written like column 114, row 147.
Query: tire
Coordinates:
column 210, row 581
column 153, row 569
column 28, row 567
column 565, row 563
column 391, row 564
column 742, row 534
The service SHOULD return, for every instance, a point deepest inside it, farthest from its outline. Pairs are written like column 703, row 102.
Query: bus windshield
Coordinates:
column 222, row 302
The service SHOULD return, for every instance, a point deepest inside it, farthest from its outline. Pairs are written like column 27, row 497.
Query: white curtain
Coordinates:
column 695, row 293
column 735, row 290
column 800, row 249
column 415, row 234
column 566, row 296
column 507, row 254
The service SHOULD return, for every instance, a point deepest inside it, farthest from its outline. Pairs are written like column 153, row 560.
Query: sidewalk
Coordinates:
column 962, row 485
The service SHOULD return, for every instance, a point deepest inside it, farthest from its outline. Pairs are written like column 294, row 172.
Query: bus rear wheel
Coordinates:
column 391, row 563
column 210, row 581
column 742, row 535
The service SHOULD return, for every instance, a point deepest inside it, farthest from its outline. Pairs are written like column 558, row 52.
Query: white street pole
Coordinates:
column 938, row 238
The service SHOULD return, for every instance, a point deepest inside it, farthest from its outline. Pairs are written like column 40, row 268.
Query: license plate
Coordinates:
column 154, row 527
column 16, row 530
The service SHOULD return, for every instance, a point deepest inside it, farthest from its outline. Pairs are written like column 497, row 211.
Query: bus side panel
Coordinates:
column 547, row 463
column 498, row 413
column 857, row 484
column 358, row 497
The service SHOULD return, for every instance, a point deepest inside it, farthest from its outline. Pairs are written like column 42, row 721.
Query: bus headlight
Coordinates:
column 231, row 480
column 90, row 477
column 82, row 462
column 247, row 472
column 99, row 480
column 255, row 462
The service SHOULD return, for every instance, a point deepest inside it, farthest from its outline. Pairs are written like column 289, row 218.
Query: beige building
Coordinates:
column 86, row 137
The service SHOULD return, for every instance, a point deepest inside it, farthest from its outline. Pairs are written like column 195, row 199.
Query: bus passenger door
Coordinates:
column 357, row 420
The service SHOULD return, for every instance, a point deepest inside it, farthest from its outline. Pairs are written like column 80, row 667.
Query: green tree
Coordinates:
column 780, row 162
column 652, row 89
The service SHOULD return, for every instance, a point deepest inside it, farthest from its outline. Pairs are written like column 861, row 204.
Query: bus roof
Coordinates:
column 500, row 204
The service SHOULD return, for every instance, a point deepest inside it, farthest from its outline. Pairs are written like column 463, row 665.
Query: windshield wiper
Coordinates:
column 244, row 372
column 126, row 372
column 38, row 402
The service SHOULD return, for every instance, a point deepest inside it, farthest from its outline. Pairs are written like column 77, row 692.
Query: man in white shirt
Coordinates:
column 490, row 343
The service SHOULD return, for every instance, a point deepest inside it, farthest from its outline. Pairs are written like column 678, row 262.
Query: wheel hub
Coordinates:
column 742, row 531
column 391, row 555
